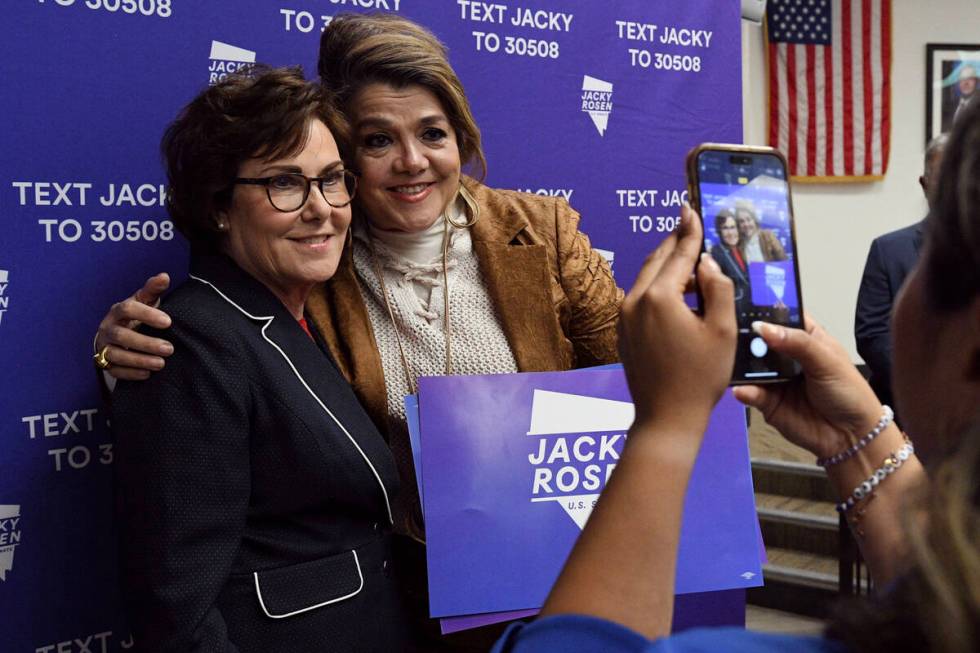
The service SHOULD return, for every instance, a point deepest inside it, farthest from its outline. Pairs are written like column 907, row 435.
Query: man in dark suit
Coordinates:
column 891, row 258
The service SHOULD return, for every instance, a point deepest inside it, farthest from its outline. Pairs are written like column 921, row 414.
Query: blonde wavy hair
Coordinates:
column 946, row 553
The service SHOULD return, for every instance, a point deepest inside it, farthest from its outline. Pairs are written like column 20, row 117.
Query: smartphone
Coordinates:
column 742, row 195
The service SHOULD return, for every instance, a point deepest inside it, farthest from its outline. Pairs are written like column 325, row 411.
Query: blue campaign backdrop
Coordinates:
column 594, row 102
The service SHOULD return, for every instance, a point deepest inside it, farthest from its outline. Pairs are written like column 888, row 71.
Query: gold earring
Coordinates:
column 472, row 208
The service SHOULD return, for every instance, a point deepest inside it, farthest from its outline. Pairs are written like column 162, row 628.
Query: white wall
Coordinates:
column 835, row 223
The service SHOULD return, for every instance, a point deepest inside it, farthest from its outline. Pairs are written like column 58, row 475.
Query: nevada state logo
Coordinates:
column 597, row 101
column 9, row 537
column 228, row 59
column 576, row 442
column 4, row 298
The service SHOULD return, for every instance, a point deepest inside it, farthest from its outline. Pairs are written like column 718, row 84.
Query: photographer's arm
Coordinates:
column 678, row 365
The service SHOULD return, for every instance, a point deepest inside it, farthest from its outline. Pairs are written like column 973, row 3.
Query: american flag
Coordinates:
column 830, row 86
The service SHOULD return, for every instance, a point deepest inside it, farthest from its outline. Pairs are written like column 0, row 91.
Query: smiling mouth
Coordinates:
column 413, row 189
column 311, row 240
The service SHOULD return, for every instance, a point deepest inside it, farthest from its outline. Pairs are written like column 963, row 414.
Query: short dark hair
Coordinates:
column 265, row 113
column 361, row 49
column 720, row 219
column 952, row 271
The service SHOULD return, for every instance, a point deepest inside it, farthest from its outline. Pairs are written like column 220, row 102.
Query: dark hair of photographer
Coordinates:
column 936, row 607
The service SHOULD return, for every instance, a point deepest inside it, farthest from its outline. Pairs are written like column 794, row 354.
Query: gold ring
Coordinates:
column 101, row 360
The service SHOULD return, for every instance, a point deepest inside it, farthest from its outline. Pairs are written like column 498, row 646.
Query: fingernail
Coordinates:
column 767, row 330
column 166, row 349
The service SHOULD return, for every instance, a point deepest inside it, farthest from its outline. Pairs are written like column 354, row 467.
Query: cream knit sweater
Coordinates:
column 413, row 274
column 416, row 294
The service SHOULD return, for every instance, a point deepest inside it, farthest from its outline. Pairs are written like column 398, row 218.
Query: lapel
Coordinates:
column 519, row 282
column 734, row 264
column 328, row 397
column 340, row 314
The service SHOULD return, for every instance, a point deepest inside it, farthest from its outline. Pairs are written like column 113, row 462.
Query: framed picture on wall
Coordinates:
column 951, row 83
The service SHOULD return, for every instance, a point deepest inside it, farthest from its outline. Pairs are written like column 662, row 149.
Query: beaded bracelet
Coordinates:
column 886, row 418
column 865, row 489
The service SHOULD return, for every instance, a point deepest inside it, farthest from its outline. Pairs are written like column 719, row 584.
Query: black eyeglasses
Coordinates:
column 290, row 190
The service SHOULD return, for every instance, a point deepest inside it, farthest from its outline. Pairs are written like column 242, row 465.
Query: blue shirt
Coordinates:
column 575, row 633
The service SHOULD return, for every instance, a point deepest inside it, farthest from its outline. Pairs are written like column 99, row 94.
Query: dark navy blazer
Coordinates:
column 253, row 492
column 890, row 260
column 728, row 265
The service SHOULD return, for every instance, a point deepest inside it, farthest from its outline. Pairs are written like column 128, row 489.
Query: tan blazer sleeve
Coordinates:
column 592, row 292
column 773, row 249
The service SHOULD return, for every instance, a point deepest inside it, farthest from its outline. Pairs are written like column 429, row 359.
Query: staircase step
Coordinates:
column 791, row 479
column 799, row 525
column 766, row 442
column 797, row 511
column 788, row 558
column 792, row 523
column 767, row 620
column 802, row 583
column 792, row 597
column 799, row 568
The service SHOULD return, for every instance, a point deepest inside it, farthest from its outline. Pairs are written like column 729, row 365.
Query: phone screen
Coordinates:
column 748, row 230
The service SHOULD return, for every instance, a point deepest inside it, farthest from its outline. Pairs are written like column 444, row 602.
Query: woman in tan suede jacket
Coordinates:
column 555, row 295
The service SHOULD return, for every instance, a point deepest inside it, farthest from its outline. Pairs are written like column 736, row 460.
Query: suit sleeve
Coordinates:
column 182, row 487
column 591, row 290
column 719, row 257
column 873, row 314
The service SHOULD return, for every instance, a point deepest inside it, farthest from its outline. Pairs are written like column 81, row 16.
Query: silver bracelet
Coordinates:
column 887, row 415
column 867, row 488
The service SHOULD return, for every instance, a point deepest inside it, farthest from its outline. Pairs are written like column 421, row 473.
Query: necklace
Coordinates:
column 410, row 375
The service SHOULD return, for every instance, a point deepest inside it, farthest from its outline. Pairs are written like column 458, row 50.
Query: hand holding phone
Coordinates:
column 742, row 195
column 677, row 362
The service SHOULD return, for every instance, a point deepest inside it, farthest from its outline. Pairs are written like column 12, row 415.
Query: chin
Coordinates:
column 412, row 221
column 422, row 221
column 318, row 273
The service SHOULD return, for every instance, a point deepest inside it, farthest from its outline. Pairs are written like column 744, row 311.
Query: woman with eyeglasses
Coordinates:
column 728, row 255
column 254, row 495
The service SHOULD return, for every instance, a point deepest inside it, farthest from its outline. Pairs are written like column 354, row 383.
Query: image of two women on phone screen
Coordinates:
column 757, row 262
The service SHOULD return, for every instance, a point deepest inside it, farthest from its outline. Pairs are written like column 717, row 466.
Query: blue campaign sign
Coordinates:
column 592, row 102
column 512, row 465
column 772, row 284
